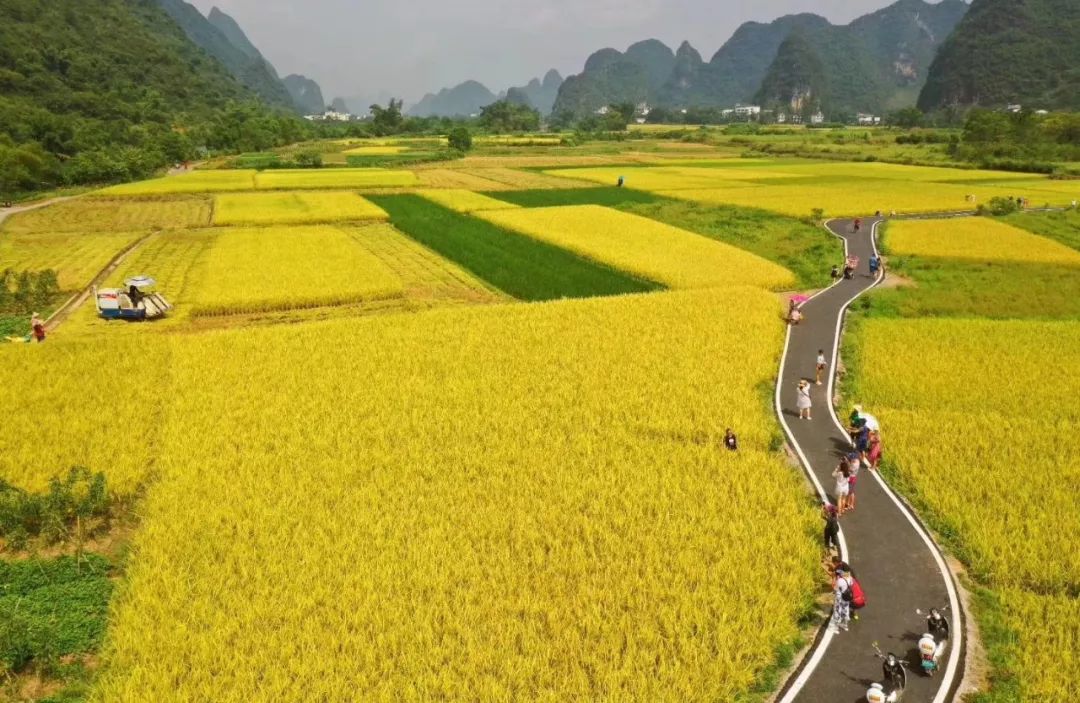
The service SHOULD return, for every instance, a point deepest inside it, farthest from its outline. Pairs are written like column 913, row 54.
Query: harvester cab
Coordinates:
column 135, row 301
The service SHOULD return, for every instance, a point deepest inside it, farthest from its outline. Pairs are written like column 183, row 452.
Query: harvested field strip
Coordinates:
column 448, row 178
column 339, row 178
column 117, row 215
column 517, row 265
column 643, row 247
column 525, row 179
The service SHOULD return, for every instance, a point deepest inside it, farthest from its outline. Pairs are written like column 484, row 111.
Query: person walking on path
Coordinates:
column 853, row 474
column 857, row 225
column 831, row 533
column 841, row 614
column 803, row 403
column 842, row 474
column 821, row 365
column 37, row 327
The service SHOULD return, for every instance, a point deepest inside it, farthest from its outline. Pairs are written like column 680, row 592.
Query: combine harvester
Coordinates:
column 135, row 302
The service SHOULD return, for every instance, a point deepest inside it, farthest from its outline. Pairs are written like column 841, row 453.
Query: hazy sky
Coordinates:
column 410, row 47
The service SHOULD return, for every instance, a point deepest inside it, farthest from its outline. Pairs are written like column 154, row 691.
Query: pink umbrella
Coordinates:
column 799, row 299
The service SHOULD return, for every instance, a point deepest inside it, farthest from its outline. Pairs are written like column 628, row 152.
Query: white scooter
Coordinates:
column 933, row 643
column 895, row 678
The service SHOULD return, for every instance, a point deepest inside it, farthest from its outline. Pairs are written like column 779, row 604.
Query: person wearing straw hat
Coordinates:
column 37, row 327
column 803, row 403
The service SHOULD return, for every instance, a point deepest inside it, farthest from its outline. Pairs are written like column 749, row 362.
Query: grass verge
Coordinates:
column 517, row 265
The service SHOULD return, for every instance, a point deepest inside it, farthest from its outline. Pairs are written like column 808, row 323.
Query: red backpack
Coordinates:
column 858, row 598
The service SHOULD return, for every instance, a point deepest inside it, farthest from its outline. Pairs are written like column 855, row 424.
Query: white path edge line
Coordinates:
column 954, row 602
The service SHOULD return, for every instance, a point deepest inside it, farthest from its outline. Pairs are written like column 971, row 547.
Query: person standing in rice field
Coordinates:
column 37, row 327
column 820, row 366
column 731, row 441
column 803, row 403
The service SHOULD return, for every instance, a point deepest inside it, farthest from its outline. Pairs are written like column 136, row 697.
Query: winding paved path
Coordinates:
column 899, row 567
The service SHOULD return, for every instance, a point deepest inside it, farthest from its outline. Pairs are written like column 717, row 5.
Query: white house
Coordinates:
column 747, row 110
column 603, row 111
column 865, row 119
column 781, row 118
column 817, row 118
column 727, row 112
column 1014, row 108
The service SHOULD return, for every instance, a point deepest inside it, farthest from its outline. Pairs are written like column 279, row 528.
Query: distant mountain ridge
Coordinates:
column 1005, row 51
column 877, row 62
column 305, row 93
column 538, row 94
column 462, row 100
column 252, row 71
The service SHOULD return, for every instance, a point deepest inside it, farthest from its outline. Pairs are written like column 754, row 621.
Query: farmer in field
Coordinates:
column 730, row 440
column 620, row 182
column 37, row 327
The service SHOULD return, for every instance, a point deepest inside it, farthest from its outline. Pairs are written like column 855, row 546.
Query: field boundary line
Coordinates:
column 957, row 626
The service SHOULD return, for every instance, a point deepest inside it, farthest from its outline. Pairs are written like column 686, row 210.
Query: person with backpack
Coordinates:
column 841, row 615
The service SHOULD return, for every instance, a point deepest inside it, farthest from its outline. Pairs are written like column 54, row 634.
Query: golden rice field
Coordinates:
column 525, row 140
column 464, row 200
column 102, row 215
column 980, row 423
column 901, row 172
column 285, row 208
column 193, row 182
column 76, row 256
column 522, row 502
column 333, row 178
column 844, row 199
column 95, row 405
column 644, row 247
column 978, row 239
column 280, row 268
column 375, row 150
column 671, row 177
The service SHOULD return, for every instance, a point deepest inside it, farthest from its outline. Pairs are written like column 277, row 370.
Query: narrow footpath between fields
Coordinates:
column 898, row 566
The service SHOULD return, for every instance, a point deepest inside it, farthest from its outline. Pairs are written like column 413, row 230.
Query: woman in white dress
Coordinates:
column 803, row 403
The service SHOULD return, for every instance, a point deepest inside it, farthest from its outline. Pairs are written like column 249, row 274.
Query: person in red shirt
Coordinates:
column 37, row 327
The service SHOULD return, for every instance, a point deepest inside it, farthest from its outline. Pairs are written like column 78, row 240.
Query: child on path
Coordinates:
column 803, row 403
column 821, row 366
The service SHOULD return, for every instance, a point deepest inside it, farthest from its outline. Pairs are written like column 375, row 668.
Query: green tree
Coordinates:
column 387, row 120
column 505, row 116
column 460, row 139
column 908, row 118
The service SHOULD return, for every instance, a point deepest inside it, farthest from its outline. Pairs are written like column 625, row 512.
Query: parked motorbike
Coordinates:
column 894, row 678
column 933, row 643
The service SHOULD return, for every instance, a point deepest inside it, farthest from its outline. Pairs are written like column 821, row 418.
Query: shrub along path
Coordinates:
column 898, row 566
